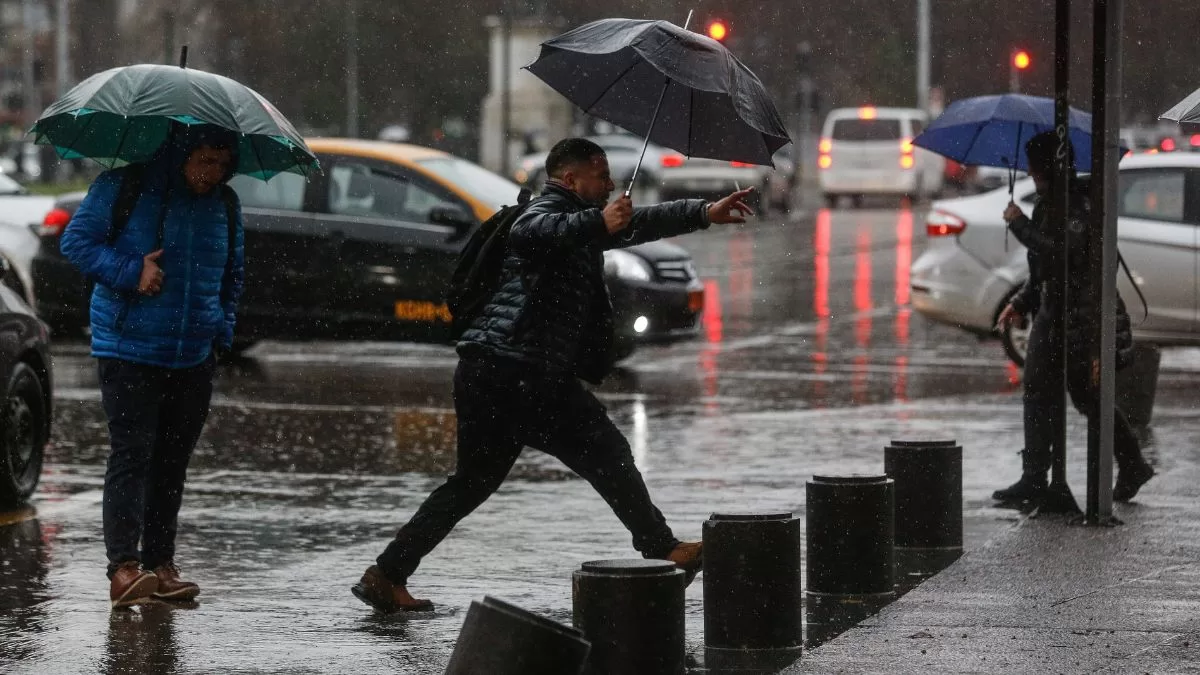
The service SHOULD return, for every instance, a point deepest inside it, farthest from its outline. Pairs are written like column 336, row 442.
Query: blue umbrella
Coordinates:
column 993, row 131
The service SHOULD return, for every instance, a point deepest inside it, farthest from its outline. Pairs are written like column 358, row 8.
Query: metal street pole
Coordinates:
column 1058, row 497
column 506, row 88
column 62, row 57
column 352, row 69
column 33, row 102
column 923, row 54
column 169, row 36
column 1102, row 249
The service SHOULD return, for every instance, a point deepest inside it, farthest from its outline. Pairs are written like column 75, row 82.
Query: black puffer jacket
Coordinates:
column 552, row 309
column 1042, row 291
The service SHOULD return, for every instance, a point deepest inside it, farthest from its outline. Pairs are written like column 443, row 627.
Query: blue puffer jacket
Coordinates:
column 195, row 310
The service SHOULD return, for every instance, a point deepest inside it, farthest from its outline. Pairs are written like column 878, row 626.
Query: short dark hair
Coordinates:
column 1041, row 150
column 570, row 152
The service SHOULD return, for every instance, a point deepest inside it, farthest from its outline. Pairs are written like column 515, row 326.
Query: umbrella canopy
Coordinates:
column 1186, row 113
column 993, row 131
column 123, row 116
column 623, row 71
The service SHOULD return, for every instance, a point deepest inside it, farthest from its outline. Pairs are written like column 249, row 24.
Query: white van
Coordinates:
column 870, row 151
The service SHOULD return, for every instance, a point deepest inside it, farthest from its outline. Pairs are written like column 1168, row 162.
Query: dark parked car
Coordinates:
column 25, row 373
column 366, row 249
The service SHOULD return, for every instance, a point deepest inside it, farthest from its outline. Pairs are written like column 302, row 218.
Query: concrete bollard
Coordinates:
column 501, row 639
column 1138, row 382
column 928, row 515
column 632, row 613
column 753, row 611
column 851, row 535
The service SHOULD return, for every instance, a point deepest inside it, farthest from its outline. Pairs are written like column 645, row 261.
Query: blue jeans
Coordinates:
column 155, row 416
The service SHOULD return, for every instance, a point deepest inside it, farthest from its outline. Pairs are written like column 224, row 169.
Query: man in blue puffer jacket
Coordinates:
column 166, row 293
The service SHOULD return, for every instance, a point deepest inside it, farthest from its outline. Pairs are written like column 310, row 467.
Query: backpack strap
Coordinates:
column 229, row 196
column 127, row 198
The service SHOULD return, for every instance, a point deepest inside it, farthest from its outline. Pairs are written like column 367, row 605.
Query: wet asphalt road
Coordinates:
column 808, row 362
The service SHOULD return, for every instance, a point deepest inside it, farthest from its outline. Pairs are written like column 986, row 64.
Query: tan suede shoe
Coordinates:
column 375, row 590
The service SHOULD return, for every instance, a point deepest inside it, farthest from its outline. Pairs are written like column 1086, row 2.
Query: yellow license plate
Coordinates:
column 422, row 310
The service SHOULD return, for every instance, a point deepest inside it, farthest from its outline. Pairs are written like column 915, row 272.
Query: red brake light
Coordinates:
column 54, row 223
column 906, row 146
column 741, row 165
column 672, row 161
column 826, row 146
column 867, row 113
column 1167, row 145
column 942, row 224
column 825, row 161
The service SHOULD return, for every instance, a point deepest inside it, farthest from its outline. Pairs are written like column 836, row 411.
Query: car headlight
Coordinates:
column 625, row 265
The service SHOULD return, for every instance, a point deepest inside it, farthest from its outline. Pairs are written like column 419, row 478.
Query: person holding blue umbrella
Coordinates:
column 1042, row 293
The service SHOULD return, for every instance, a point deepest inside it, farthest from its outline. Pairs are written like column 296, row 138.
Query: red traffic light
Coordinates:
column 1021, row 60
column 717, row 30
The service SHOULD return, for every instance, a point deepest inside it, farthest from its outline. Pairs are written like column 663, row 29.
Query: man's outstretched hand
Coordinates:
column 731, row 209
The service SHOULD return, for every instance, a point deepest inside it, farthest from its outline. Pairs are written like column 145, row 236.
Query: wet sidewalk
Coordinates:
column 1050, row 596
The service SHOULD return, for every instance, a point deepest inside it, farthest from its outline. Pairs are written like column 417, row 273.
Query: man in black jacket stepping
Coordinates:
column 548, row 325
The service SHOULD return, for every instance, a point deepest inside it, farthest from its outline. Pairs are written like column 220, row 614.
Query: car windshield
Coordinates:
column 487, row 187
column 866, row 130
column 9, row 186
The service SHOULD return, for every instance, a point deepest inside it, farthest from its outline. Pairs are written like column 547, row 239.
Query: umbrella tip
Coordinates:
column 183, row 57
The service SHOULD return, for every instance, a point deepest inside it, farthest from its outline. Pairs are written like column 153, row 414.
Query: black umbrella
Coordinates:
column 677, row 88
column 1186, row 113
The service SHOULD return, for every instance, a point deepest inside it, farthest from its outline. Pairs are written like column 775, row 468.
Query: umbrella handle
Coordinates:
column 661, row 97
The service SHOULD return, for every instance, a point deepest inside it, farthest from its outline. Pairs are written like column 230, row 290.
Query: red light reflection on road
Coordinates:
column 821, row 264
column 820, row 357
column 863, row 320
column 904, row 252
column 713, row 323
column 862, row 288
column 904, row 236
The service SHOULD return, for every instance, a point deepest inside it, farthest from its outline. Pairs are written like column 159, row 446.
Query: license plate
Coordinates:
column 422, row 310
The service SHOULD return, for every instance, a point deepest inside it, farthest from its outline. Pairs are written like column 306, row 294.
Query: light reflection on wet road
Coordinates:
column 808, row 361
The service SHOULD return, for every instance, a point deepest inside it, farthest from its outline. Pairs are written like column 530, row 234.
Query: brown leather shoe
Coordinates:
column 131, row 586
column 375, row 590
column 689, row 557
column 171, row 587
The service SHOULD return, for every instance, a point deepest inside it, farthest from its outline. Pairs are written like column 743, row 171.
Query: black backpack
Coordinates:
column 131, row 190
column 477, row 273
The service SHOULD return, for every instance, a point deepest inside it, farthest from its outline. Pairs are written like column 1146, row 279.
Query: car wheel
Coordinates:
column 1015, row 339
column 857, row 201
column 22, row 436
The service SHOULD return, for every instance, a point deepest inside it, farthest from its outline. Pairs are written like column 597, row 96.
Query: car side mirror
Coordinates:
column 5, row 268
column 452, row 216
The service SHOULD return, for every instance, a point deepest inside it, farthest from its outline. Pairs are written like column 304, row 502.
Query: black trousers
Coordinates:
column 155, row 416
column 1043, row 399
column 502, row 407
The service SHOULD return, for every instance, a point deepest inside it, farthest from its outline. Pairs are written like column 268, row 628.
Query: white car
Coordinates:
column 869, row 151
column 972, row 264
column 20, row 213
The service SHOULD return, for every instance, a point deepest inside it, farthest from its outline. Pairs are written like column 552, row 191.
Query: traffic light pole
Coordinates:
column 1102, row 251
column 1058, row 497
